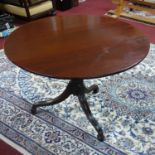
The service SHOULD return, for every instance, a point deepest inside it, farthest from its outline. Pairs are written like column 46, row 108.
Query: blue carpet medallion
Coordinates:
column 124, row 107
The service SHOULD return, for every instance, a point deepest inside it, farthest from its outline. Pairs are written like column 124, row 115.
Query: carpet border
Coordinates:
column 94, row 142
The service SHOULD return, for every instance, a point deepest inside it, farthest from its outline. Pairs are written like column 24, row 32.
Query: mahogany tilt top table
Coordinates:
column 76, row 48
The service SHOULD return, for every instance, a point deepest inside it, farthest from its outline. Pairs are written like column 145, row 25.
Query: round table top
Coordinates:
column 74, row 47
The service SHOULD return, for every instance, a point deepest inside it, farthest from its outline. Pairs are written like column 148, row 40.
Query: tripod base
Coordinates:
column 77, row 88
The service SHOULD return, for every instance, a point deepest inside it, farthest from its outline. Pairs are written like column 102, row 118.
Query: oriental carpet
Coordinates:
column 124, row 107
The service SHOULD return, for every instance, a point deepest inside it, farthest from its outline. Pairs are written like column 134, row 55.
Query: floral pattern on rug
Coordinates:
column 46, row 134
column 124, row 107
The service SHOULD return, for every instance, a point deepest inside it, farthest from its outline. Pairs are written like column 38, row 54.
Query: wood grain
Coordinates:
column 74, row 47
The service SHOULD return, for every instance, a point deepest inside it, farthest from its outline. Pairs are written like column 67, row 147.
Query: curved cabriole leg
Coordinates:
column 93, row 121
column 77, row 88
column 94, row 88
column 57, row 100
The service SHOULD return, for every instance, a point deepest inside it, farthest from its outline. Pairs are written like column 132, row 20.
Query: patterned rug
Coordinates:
column 124, row 106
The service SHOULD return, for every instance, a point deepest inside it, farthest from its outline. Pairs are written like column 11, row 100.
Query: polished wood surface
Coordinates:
column 73, row 47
